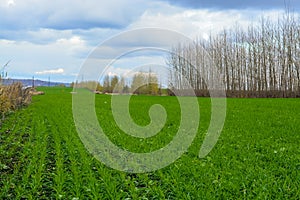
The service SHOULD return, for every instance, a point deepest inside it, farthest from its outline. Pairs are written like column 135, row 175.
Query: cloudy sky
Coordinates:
column 44, row 38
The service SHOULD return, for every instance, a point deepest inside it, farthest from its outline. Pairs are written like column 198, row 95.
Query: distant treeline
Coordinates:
column 259, row 61
column 32, row 82
column 144, row 83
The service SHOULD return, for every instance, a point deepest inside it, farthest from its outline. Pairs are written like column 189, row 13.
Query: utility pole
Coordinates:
column 3, row 74
column 33, row 82
column 160, row 85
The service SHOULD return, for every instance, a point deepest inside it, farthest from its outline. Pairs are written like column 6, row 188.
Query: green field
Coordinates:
column 257, row 155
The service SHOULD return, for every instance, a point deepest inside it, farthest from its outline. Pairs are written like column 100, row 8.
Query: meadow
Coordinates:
column 257, row 154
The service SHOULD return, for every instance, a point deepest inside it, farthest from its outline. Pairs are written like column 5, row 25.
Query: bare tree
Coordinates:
column 260, row 61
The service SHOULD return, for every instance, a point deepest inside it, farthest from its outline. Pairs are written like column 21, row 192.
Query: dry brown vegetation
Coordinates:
column 13, row 97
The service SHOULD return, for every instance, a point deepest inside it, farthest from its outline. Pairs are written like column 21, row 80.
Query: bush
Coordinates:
column 13, row 97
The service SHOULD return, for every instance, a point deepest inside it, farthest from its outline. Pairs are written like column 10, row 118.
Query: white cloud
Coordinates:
column 234, row 4
column 11, row 3
column 52, row 71
column 75, row 40
column 201, row 22
column 117, row 71
column 75, row 46
column 44, row 35
column 39, row 34
column 29, row 58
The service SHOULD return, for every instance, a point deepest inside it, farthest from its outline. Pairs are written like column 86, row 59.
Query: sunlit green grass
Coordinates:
column 257, row 155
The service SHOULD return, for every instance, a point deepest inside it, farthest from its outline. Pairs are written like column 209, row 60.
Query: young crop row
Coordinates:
column 257, row 155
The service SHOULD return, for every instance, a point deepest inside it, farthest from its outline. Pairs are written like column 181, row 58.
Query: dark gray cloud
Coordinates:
column 68, row 14
column 41, row 34
column 238, row 4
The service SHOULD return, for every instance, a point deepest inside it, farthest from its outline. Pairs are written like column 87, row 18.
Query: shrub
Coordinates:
column 13, row 97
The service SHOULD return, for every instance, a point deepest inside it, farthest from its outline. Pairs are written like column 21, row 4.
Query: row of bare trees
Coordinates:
column 258, row 61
